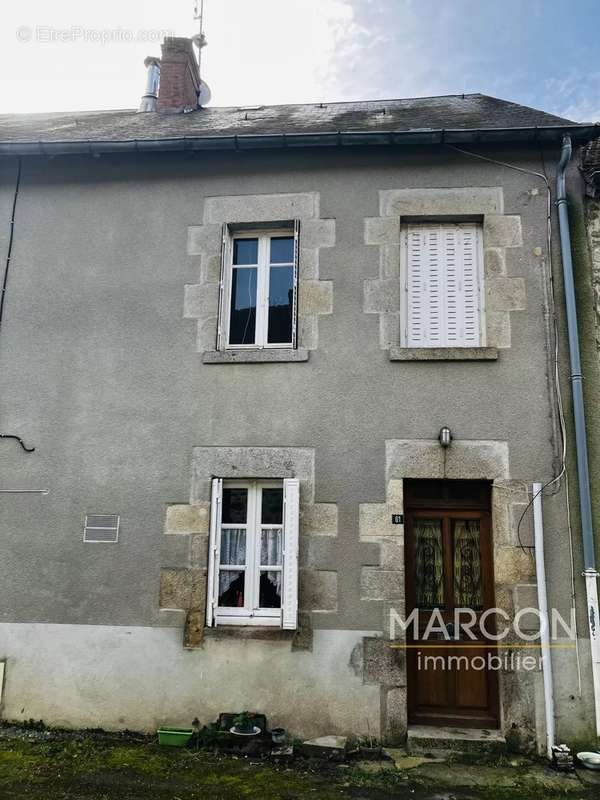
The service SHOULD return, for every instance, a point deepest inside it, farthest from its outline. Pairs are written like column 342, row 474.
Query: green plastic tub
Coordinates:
column 174, row 737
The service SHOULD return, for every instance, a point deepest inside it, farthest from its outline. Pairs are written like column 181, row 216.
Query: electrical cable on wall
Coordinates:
column 11, row 235
column 19, row 440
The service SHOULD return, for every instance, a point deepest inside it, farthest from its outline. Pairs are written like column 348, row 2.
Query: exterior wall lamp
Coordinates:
column 445, row 436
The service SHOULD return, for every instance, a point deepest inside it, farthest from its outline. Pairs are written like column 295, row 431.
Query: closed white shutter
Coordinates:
column 452, row 260
column 212, row 592
column 472, row 286
column 296, row 271
column 221, row 322
column 443, row 275
column 291, row 524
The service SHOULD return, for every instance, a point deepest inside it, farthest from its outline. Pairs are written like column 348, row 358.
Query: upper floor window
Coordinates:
column 259, row 288
column 253, row 558
column 442, row 281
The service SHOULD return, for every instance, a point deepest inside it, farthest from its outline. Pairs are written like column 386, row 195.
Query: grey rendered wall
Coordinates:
column 100, row 372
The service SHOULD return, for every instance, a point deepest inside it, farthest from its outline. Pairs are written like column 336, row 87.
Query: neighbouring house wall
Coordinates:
column 108, row 305
column 584, row 217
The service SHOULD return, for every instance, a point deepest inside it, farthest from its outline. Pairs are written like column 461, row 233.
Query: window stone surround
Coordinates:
column 503, row 293
column 183, row 578
column 514, row 572
column 315, row 296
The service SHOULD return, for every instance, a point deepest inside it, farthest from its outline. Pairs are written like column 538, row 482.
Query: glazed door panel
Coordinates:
column 449, row 567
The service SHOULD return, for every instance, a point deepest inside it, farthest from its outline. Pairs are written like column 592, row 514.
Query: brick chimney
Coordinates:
column 179, row 76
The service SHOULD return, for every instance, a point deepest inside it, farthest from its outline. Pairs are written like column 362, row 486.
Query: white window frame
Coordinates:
column 263, row 268
column 404, row 278
column 252, row 614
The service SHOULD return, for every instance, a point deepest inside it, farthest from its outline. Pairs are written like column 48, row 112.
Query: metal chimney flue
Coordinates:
column 150, row 97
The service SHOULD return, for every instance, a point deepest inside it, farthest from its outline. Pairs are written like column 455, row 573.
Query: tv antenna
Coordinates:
column 200, row 38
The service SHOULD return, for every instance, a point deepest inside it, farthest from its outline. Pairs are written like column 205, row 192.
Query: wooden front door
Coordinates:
column 449, row 566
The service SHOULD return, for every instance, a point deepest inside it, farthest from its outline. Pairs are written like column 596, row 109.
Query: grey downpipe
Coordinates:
column 583, row 475
column 585, row 504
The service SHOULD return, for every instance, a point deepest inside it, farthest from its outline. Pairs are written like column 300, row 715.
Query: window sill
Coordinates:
column 443, row 354
column 249, row 632
column 266, row 356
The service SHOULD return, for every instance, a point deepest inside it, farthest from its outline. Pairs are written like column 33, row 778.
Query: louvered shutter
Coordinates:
column 213, row 551
column 471, row 286
column 451, row 260
column 425, row 287
column 221, row 323
column 291, row 524
column 443, row 285
column 296, row 272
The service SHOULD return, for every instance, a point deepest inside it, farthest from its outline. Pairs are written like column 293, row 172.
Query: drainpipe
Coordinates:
column 540, row 571
column 590, row 572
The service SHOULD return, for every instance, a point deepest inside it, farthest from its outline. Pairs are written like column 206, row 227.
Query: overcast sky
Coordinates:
column 62, row 55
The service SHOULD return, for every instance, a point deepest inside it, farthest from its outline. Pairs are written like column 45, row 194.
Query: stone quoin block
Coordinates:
column 319, row 519
column 318, row 590
column 315, row 297
column 383, row 664
column 506, row 294
column 186, row 519
column 316, row 233
column 375, row 521
column 382, row 231
column 395, row 714
column 502, row 231
column 204, row 239
column 380, row 584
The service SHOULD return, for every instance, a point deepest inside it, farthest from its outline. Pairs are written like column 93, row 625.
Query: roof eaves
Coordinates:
column 543, row 134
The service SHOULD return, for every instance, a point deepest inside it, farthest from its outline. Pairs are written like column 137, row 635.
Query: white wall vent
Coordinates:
column 101, row 528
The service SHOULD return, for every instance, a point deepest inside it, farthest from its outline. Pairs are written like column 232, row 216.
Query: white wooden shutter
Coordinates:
column 212, row 592
column 425, row 289
column 296, row 272
column 451, row 260
column 472, row 286
column 221, row 322
column 443, row 286
column 291, row 524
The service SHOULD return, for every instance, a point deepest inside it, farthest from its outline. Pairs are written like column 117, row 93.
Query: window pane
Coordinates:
column 272, row 506
column 233, row 546
column 245, row 251
column 282, row 250
column 243, row 306
column 270, row 590
column 281, row 301
column 270, row 548
column 235, row 503
column 231, row 589
column 468, row 589
column 429, row 563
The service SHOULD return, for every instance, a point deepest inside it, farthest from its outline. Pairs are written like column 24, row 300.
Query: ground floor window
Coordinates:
column 253, row 560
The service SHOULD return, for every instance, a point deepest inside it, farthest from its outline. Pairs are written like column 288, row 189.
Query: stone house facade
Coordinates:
column 160, row 439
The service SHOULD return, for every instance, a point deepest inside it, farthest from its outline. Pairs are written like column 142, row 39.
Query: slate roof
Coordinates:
column 418, row 116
